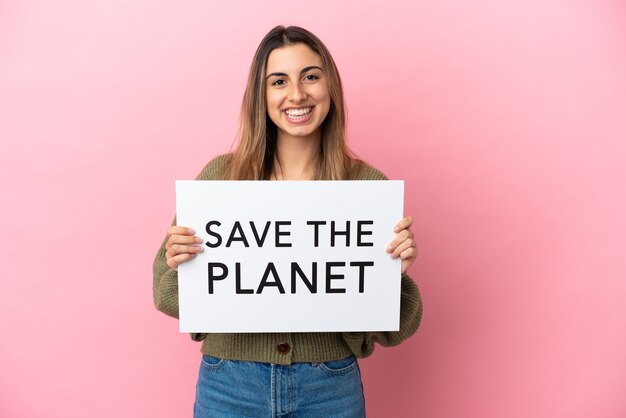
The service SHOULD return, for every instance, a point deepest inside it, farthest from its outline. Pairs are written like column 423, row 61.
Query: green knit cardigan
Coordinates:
column 287, row 348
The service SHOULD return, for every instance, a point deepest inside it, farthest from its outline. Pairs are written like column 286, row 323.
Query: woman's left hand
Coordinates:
column 403, row 245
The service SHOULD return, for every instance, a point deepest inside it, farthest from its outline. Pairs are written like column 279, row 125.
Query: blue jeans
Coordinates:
column 229, row 388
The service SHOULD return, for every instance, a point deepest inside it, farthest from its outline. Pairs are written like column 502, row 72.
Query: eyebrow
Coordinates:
column 304, row 70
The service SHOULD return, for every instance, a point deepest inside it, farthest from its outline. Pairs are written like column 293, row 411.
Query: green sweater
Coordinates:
column 287, row 348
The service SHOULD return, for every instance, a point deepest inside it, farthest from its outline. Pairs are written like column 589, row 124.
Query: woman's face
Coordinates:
column 297, row 95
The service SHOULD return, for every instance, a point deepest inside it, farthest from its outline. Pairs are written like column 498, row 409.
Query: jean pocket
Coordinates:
column 337, row 367
column 212, row 363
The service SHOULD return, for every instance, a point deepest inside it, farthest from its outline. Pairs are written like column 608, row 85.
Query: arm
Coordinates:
column 165, row 283
column 362, row 343
column 403, row 246
column 165, row 277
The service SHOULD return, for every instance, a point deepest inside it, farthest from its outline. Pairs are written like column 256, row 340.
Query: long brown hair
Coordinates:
column 253, row 157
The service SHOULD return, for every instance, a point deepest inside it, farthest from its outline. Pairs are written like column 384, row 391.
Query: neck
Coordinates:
column 296, row 157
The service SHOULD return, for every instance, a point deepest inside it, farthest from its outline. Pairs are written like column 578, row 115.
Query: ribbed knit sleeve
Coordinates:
column 165, row 284
column 362, row 343
column 165, row 280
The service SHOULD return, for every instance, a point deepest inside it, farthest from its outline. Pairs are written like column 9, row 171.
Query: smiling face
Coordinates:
column 297, row 96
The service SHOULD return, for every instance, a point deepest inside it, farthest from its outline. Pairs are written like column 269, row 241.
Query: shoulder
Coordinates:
column 215, row 168
column 362, row 171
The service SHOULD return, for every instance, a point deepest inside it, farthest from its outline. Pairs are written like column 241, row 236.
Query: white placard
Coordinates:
column 264, row 240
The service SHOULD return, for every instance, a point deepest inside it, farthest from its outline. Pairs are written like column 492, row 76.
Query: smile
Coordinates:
column 298, row 115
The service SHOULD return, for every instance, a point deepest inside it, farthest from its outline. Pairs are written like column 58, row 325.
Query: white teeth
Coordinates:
column 298, row 112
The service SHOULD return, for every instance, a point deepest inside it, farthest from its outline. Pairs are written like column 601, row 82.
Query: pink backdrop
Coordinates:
column 506, row 119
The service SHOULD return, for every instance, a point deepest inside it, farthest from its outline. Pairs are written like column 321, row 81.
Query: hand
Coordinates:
column 182, row 245
column 403, row 245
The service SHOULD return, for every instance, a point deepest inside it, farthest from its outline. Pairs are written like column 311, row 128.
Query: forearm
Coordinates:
column 165, row 284
column 362, row 343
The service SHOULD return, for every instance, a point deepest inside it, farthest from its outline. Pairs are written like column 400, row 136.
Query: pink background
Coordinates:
column 506, row 119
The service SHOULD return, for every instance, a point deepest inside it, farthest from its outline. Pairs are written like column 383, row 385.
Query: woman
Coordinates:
column 292, row 128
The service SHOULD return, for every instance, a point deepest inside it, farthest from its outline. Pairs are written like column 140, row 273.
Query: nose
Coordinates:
column 297, row 94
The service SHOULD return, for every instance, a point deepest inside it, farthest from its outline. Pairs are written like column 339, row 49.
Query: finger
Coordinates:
column 403, row 224
column 182, row 239
column 400, row 248
column 174, row 262
column 183, row 249
column 399, row 238
column 409, row 254
column 180, row 230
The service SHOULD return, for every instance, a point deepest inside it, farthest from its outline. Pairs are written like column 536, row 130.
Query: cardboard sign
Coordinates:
column 290, row 256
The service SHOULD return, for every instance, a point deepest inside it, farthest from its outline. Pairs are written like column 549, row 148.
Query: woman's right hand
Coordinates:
column 182, row 245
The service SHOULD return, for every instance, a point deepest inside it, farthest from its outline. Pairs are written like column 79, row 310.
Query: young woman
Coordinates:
column 292, row 128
